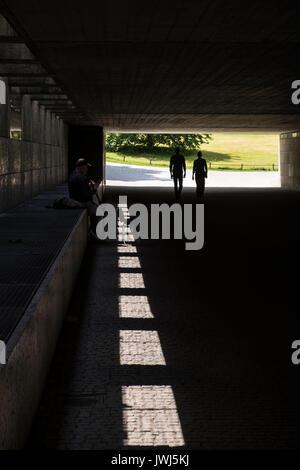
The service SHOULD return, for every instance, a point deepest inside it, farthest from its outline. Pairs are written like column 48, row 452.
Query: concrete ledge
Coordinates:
column 31, row 346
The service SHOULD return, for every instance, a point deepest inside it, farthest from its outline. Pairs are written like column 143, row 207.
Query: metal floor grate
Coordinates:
column 31, row 237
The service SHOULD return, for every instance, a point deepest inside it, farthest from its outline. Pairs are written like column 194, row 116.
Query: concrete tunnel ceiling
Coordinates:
column 168, row 65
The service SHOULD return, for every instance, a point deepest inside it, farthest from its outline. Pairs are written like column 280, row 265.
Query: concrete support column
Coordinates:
column 290, row 160
column 4, row 108
column 26, row 147
column 36, row 123
column 53, row 129
column 42, row 125
column 48, row 126
column 88, row 142
column 64, row 139
column 27, row 117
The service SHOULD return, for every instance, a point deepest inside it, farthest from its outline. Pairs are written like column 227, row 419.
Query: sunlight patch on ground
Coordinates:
column 131, row 281
column 134, row 306
column 129, row 262
column 150, row 416
column 141, row 347
column 126, row 249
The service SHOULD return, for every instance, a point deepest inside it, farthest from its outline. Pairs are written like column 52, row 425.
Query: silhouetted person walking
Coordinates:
column 200, row 171
column 178, row 171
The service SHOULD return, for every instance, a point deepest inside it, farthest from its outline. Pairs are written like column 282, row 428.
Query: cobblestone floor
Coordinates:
column 163, row 347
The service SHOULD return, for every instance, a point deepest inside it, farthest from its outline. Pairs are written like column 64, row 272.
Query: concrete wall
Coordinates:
column 31, row 347
column 38, row 161
column 290, row 160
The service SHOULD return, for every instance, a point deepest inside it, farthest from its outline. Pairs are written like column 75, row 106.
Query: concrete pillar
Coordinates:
column 4, row 108
column 64, row 138
column 48, row 127
column 26, row 112
column 43, row 156
column 42, row 124
column 36, row 123
column 26, row 147
column 88, row 142
column 53, row 129
column 290, row 160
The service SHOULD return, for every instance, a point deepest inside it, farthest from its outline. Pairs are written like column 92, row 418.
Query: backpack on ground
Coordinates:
column 67, row 203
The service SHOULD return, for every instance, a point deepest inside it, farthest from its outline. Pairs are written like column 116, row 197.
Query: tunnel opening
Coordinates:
column 233, row 159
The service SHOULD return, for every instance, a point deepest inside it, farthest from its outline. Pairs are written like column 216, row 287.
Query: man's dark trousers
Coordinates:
column 200, row 183
column 178, row 185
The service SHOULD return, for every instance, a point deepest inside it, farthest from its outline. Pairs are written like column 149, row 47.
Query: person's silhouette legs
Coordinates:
column 200, row 185
column 180, row 185
column 177, row 187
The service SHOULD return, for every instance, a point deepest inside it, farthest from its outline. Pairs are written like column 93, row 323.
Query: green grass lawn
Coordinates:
column 224, row 152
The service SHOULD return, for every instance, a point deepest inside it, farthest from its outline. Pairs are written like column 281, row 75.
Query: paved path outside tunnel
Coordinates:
column 167, row 347
column 134, row 175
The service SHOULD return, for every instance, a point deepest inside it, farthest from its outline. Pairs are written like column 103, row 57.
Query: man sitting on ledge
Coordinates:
column 82, row 189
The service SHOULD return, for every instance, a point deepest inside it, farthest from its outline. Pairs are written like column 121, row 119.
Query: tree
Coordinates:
column 119, row 142
column 185, row 141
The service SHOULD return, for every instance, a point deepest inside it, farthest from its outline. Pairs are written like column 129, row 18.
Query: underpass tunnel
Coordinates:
column 65, row 86
column 143, row 345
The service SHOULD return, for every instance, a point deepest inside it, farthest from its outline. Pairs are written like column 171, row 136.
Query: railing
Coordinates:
column 242, row 166
column 231, row 166
column 149, row 158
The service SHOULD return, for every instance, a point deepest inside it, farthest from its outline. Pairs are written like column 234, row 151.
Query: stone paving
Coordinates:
column 153, row 176
column 163, row 347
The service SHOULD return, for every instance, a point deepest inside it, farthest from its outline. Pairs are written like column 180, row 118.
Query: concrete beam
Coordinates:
column 25, row 74
column 53, row 100
column 11, row 40
column 37, row 91
column 69, row 114
column 15, row 80
column 18, row 61
column 23, row 70
column 5, row 28
column 13, row 51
